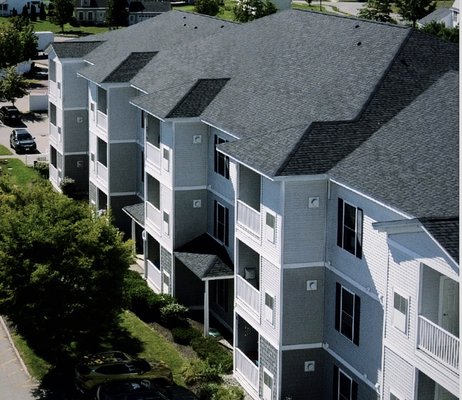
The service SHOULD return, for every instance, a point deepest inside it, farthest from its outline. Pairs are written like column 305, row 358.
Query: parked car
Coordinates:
column 175, row 392
column 132, row 389
column 10, row 115
column 100, row 368
column 22, row 141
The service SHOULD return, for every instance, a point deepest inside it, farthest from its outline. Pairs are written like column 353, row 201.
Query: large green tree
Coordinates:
column 117, row 14
column 413, row 10
column 377, row 10
column 61, row 12
column 207, row 7
column 441, row 30
column 17, row 41
column 13, row 86
column 61, row 267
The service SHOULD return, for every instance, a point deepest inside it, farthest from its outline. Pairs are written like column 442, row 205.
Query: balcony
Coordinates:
column 247, row 368
column 153, row 217
column 101, row 172
column 438, row 343
column 153, row 154
column 248, row 294
column 154, row 275
column 55, row 137
column 54, row 175
column 248, row 218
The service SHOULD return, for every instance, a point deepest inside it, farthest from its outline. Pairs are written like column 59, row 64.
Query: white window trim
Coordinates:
column 165, row 288
column 396, row 315
column 270, row 232
column 342, row 288
column 266, row 395
column 340, row 371
column 268, row 312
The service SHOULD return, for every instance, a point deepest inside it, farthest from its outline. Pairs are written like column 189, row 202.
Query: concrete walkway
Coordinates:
column 15, row 381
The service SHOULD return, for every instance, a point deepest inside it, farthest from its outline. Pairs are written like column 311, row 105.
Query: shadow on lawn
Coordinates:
column 58, row 383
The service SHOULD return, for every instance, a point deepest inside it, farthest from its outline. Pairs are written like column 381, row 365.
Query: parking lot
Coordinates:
column 36, row 123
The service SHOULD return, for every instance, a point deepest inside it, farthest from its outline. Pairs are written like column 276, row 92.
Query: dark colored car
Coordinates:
column 10, row 115
column 131, row 389
column 22, row 141
column 100, row 368
column 175, row 392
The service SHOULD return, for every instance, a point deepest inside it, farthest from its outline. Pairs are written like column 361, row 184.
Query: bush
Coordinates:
column 184, row 335
column 139, row 298
column 212, row 351
column 207, row 7
column 199, row 372
column 42, row 168
column 213, row 391
column 173, row 315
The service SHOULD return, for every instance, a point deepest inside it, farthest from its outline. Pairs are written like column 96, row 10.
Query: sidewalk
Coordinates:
column 15, row 381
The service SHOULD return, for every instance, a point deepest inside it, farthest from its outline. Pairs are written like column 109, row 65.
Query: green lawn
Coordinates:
column 136, row 338
column 4, row 151
column 19, row 172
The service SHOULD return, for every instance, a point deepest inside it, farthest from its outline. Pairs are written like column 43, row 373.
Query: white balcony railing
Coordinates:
column 101, row 172
column 154, row 275
column 52, row 89
column 248, row 217
column 153, row 216
column 247, row 368
column 101, row 120
column 153, row 154
column 53, row 173
column 248, row 294
column 438, row 343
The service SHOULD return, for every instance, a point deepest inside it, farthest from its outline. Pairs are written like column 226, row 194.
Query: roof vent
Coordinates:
column 184, row 17
column 356, row 26
column 359, row 44
column 184, row 24
column 195, row 27
column 222, row 26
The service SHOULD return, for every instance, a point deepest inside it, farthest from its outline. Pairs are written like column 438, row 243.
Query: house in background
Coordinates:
column 91, row 12
column 7, row 6
column 141, row 10
column 298, row 186
column 447, row 16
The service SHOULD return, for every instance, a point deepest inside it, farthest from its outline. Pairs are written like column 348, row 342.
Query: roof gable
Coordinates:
column 129, row 67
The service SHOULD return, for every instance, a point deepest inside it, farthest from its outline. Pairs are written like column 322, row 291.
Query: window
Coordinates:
column 102, row 151
column 394, row 397
column 142, row 119
column 102, row 100
column 221, row 162
column 142, row 167
column 166, row 282
column 267, row 385
column 166, row 223
column 347, row 313
column 400, row 312
column 269, row 308
column 270, row 225
column 166, row 157
column 52, row 70
column 221, row 221
column 350, row 228
column 345, row 388
column 52, row 114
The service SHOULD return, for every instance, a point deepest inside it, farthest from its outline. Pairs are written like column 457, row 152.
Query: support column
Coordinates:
column 206, row 309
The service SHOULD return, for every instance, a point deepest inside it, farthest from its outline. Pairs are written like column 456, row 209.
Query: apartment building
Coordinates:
column 297, row 179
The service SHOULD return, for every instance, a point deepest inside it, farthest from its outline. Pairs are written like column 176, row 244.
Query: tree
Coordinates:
column 33, row 13
column 42, row 12
column 117, row 14
column 377, row 10
column 248, row 10
column 61, row 12
column 17, row 41
column 207, row 7
column 25, row 12
column 413, row 10
column 441, row 30
column 13, row 86
column 61, row 267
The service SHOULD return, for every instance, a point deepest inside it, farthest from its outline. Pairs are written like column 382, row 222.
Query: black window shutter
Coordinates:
column 215, row 218
column 357, row 318
column 226, row 227
column 340, row 223
column 335, row 384
column 215, row 154
column 354, row 390
column 359, row 233
column 338, row 289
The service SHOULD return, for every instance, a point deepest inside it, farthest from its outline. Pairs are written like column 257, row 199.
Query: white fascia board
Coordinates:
column 398, row 226
column 220, row 129
column 138, row 88
column 147, row 112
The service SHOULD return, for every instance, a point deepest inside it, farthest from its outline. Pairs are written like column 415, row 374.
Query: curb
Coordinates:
column 18, row 356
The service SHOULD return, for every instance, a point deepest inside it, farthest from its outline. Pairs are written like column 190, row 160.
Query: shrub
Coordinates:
column 217, row 356
column 199, row 372
column 139, row 298
column 213, row 391
column 207, row 7
column 42, row 168
column 184, row 335
column 173, row 315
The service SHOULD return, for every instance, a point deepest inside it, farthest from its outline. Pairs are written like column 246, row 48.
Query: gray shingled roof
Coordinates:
column 411, row 163
column 437, row 15
column 198, row 98
column 129, row 67
column 446, row 232
column 74, row 49
column 285, row 70
column 155, row 34
column 205, row 258
column 136, row 211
